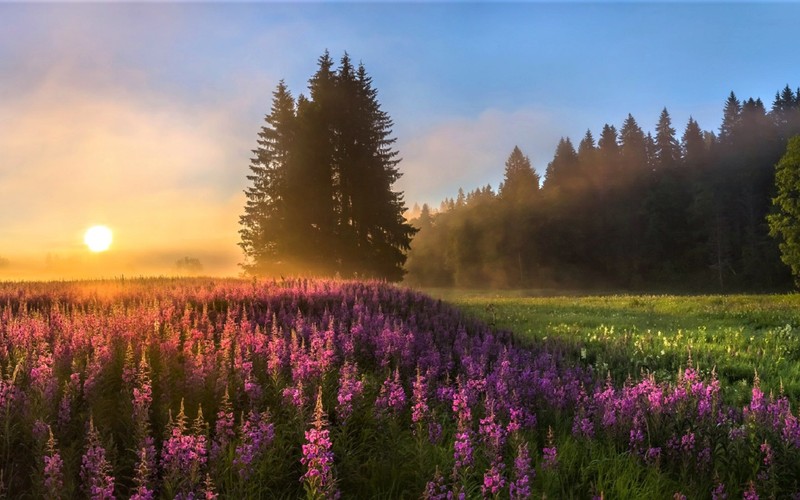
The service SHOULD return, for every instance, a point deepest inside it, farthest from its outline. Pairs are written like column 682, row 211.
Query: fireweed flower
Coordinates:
column 53, row 469
column 295, row 395
column 751, row 493
column 718, row 493
column 257, row 434
column 653, row 455
column 419, row 398
column 461, row 407
column 492, row 433
column 493, row 480
column 96, row 479
column 462, row 452
column 392, row 397
column 520, row 487
column 351, row 387
column 142, row 478
column 769, row 456
column 183, row 455
column 436, row 489
column 223, row 428
column 318, row 481
column 549, row 452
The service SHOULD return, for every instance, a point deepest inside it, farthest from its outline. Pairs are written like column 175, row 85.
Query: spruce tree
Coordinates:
column 265, row 222
column 563, row 170
column 337, row 211
column 694, row 151
column 520, row 180
column 667, row 149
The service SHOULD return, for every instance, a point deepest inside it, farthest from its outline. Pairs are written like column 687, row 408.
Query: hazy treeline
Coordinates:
column 623, row 210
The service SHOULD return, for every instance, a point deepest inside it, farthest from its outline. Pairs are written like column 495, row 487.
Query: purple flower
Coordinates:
column 295, row 395
column 520, row 487
column 549, row 452
column 493, row 480
column 687, row 443
column 319, row 480
column 434, row 432
column 436, row 489
column 419, row 399
column 53, row 469
column 143, row 475
column 351, row 387
column 751, row 493
column 392, row 397
column 492, row 433
column 184, row 455
column 223, row 428
column 462, row 451
column 652, row 455
column 98, row 484
column 718, row 493
column 769, row 456
column 461, row 407
column 257, row 435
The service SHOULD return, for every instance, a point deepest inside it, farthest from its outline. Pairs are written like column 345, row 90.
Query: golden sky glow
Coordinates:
column 153, row 169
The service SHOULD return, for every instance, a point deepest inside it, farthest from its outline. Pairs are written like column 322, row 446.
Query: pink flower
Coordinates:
column 493, row 480
column 53, row 469
column 520, row 487
column 98, row 484
column 351, row 388
column 317, row 456
column 392, row 397
column 257, row 434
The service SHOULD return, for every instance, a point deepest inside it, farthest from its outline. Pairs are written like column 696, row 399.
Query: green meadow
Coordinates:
column 739, row 336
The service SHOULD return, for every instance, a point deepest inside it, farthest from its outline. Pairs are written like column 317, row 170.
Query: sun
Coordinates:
column 98, row 238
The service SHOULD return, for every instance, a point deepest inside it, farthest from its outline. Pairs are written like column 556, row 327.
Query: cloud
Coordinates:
column 470, row 152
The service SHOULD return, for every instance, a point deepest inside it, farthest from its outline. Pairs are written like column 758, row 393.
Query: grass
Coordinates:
column 739, row 336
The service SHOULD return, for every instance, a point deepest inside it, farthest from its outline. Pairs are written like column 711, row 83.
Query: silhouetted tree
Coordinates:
column 265, row 223
column 321, row 199
column 667, row 149
column 520, row 180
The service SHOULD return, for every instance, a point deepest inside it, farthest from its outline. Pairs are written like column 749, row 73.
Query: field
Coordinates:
column 738, row 335
column 321, row 389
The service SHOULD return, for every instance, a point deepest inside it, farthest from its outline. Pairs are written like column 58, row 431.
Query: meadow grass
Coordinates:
column 737, row 335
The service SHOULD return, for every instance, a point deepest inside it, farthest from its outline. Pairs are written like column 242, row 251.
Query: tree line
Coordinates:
column 627, row 210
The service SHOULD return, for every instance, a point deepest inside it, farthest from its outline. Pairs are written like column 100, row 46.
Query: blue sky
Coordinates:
column 114, row 109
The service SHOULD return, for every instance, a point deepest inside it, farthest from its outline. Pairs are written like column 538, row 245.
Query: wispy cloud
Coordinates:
column 471, row 151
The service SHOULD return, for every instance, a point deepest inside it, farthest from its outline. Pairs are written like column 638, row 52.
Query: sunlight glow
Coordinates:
column 98, row 238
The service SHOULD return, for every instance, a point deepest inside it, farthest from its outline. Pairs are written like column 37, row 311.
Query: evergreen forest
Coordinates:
column 625, row 209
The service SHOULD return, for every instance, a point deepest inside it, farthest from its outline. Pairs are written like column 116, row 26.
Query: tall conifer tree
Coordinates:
column 337, row 210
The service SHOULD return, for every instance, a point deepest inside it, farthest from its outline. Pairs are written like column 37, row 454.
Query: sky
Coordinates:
column 142, row 117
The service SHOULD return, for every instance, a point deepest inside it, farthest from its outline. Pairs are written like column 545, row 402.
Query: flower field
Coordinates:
column 325, row 389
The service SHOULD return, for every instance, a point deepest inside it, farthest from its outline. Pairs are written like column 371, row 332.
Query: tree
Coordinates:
column 520, row 181
column 784, row 225
column 321, row 198
column 564, row 168
column 189, row 265
column 264, row 223
column 693, row 146
column 667, row 151
column 731, row 115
